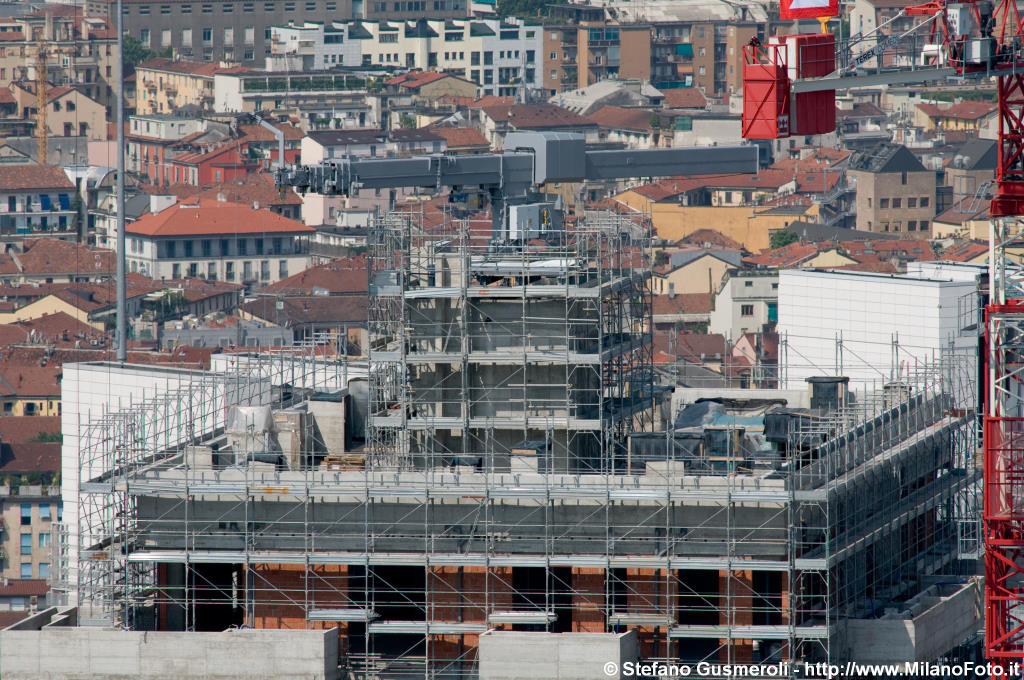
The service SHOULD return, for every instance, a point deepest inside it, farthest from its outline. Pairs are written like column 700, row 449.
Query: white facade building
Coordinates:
column 745, row 303
column 312, row 47
column 872, row 328
column 500, row 57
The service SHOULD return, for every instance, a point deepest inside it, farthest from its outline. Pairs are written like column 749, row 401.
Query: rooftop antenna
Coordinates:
column 122, row 306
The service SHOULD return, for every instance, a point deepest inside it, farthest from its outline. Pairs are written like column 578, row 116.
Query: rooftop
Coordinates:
column 22, row 177
column 209, row 217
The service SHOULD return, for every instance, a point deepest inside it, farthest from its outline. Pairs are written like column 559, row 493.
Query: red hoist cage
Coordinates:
column 789, row 89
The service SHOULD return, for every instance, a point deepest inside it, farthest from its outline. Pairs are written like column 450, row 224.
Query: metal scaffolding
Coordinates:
column 521, row 471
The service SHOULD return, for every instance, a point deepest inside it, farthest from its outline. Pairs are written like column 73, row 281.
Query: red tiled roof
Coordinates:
column 816, row 182
column 61, row 329
column 24, row 587
column 31, row 457
column 712, row 237
column 30, row 380
column 619, row 118
column 912, row 249
column 54, row 256
column 413, row 80
column 685, row 303
column 684, row 98
column 311, row 309
column 20, row 429
column 258, row 133
column 691, row 346
column 535, row 116
column 341, row 276
column 786, row 256
column 964, row 252
column 196, row 68
column 456, row 137
column 250, row 188
column 965, row 110
column 213, row 217
column 21, row 177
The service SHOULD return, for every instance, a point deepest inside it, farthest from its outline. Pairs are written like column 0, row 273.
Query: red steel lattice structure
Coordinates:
column 966, row 39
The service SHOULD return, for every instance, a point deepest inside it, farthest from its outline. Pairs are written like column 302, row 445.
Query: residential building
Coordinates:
column 895, row 193
column 55, row 260
column 227, row 30
column 970, row 170
column 150, row 140
column 496, row 121
column 217, row 240
column 307, row 316
column 502, row 57
column 967, row 116
column 36, row 200
column 163, row 85
column 258, row 190
column 612, row 51
column 693, row 270
column 338, row 100
column 21, row 597
column 86, row 47
column 30, row 390
column 314, row 46
column 745, row 302
column 69, row 111
column 428, row 86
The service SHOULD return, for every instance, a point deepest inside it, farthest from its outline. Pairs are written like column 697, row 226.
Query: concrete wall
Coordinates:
column 101, row 654
column 553, row 656
column 947, row 622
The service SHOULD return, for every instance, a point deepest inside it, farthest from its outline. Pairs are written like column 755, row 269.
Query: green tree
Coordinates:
column 134, row 52
column 782, row 237
column 524, row 9
column 407, row 122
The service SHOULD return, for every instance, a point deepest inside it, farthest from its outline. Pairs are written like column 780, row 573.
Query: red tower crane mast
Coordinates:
column 789, row 89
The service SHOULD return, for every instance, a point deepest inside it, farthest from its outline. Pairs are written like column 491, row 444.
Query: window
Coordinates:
column 903, row 178
column 241, row 245
column 911, row 225
column 259, row 246
column 207, row 9
column 186, row 37
column 176, row 271
column 229, row 39
column 897, row 203
column 211, row 270
column 207, row 36
column 144, row 37
column 264, row 270
column 44, row 512
column 746, row 310
column 26, row 570
column 883, row 203
column 26, row 514
column 186, row 9
column 165, row 9
column 869, row 201
column 193, row 270
column 229, row 271
column 223, row 247
column 885, row 226
column 530, row 56
column 247, row 271
column 922, row 225
column 188, row 248
column 282, row 269
column 912, row 202
column 488, row 58
column 924, row 201
column 143, row 10
column 748, row 284
column 26, row 544
column 44, row 570
column 44, row 539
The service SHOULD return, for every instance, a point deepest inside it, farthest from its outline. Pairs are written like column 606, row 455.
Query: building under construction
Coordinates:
column 520, row 470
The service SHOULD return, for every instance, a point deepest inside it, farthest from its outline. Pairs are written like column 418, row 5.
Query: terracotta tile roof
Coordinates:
column 250, row 188
column 691, row 346
column 965, row 110
column 12, row 335
column 182, row 191
column 619, row 118
column 198, row 289
column 53, row 256
column 684, row 98
column 212, row 217
column 60, row 329
column 196, row 68
column 30, row 457
column 456, row 137
column 875, row 266
column 712, row 237
column 30, row 380
column 964, row 252
column 311, row 309
column 960, row 212
column 786, row 256
column 816, row 182
column 24, row 587
column 863, row 109
column 535, row 116
column 22, row 177
column 20, row 429
column 911, row 249
column 338, row 277
column 413, row 80
column 258, row 133
column 684, row 303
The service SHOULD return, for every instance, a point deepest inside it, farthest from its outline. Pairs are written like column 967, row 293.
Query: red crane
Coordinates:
column 789, row 89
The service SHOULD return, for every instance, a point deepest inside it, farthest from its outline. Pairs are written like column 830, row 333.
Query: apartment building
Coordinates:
column 36, row 200
column 681, row 45
column 82, row 51
column 895, row 193
column 149, row 141
column 229, row 30
column 314, row 46
column 218, row 240
column 500, row 57
column 163, row 85
column 27, row 538
column 340, row 99
column 746, row 302
column 69, row 112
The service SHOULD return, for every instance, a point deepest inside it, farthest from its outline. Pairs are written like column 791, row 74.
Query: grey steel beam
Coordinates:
column 872, row 80
column 671, row 162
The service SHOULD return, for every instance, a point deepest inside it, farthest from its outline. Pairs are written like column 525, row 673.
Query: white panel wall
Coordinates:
column 872, row 314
